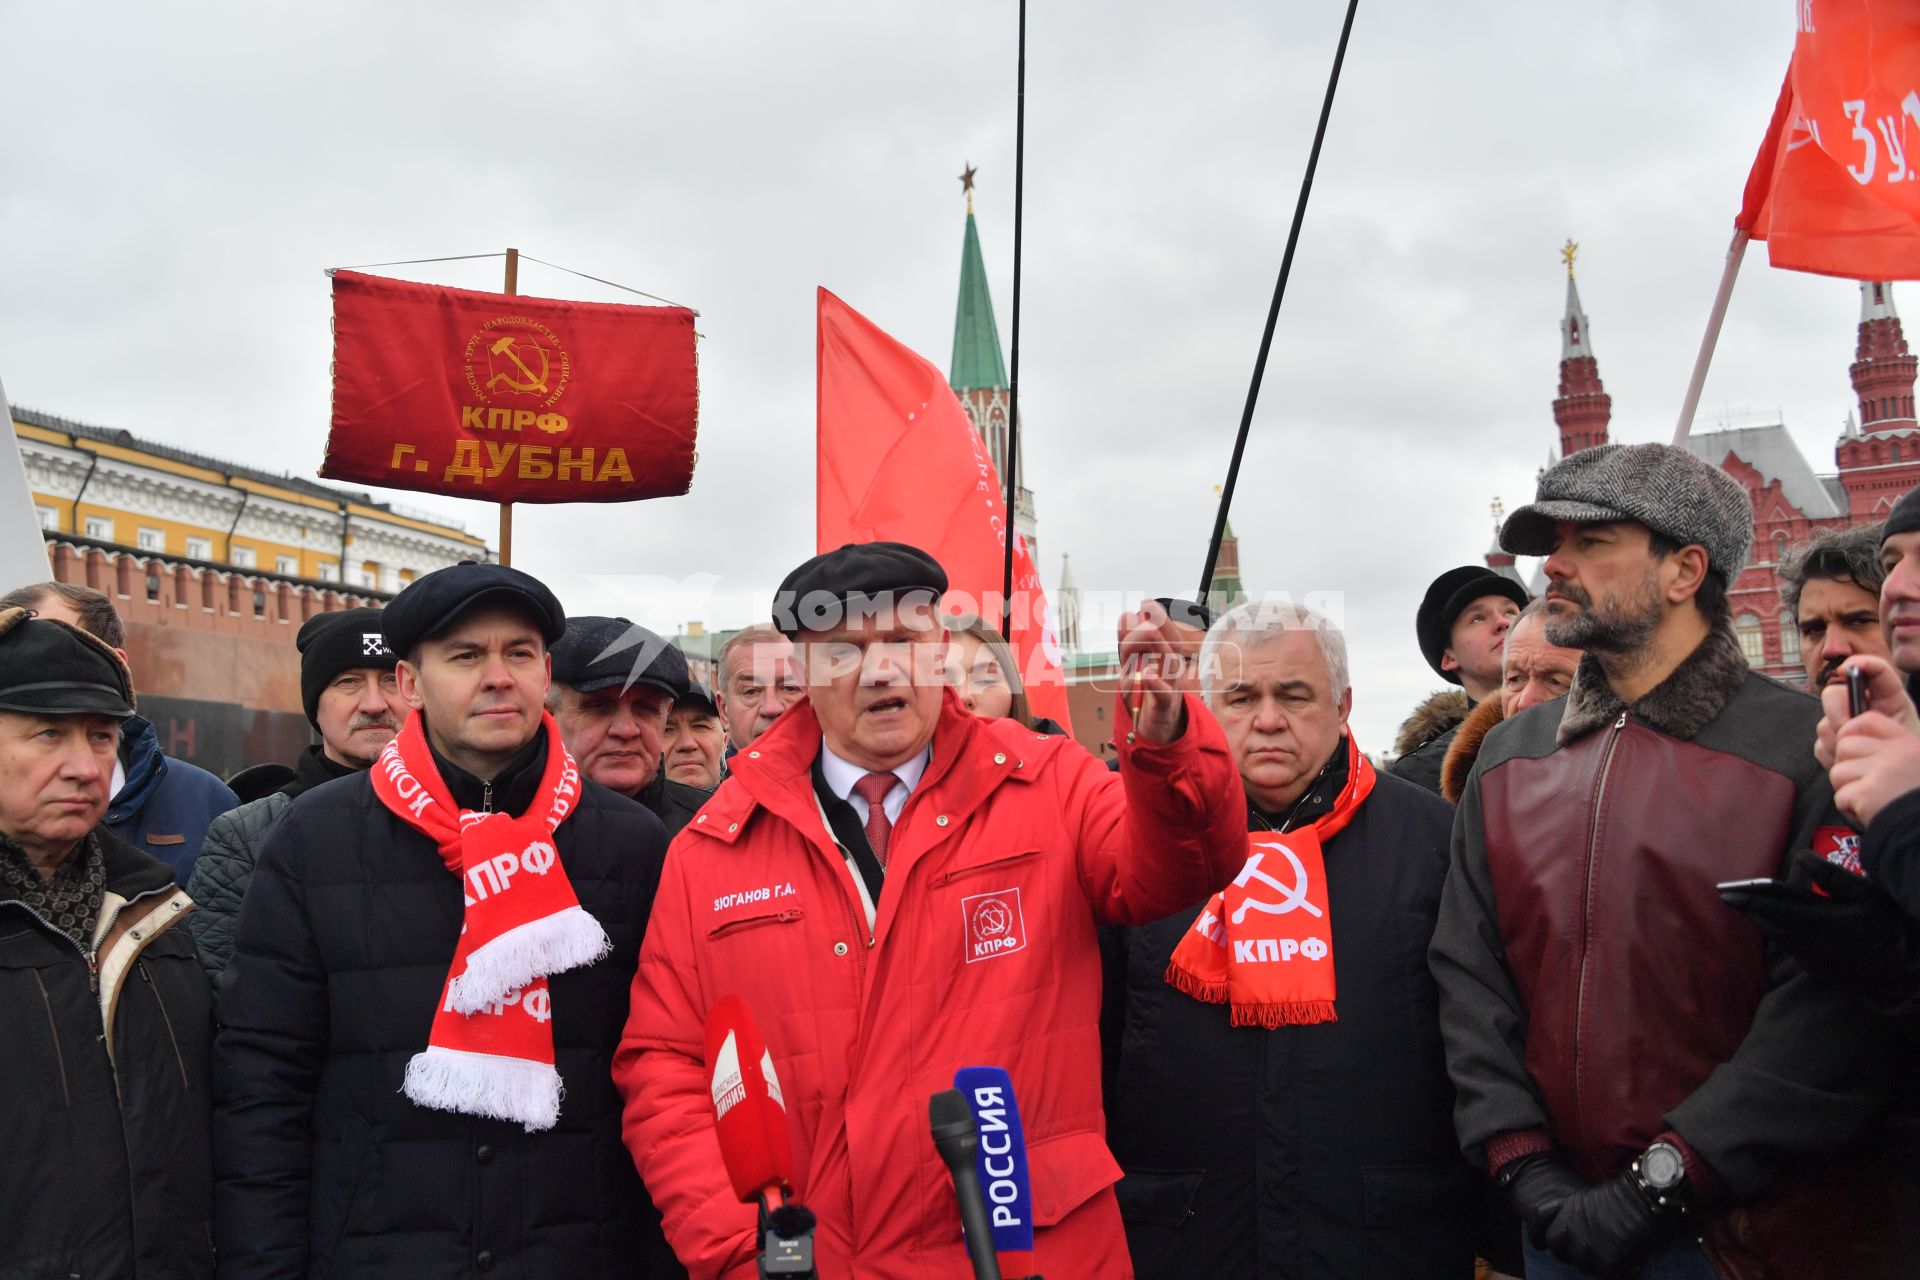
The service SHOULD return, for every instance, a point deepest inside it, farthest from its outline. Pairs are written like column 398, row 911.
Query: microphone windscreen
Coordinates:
column 750, row 1115
column 954, row 1136
column 1002, row 1159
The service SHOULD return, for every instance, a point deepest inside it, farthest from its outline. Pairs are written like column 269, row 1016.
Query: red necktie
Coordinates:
column 874, row 789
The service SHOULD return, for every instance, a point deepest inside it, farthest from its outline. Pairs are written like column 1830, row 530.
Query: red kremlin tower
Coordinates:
column 1583, row 408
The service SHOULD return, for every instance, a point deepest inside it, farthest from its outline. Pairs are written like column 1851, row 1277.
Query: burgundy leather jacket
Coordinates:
column 1595, row 993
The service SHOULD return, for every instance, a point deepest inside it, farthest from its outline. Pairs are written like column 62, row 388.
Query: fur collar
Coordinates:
column 1465, row 749
column 1681, row 705
column 1430, row 719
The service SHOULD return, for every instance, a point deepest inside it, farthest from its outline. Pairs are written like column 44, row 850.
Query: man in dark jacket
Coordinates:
column 103, row 1081
column 1632, row 1062
column 1261, row 1134
column 352, row 699
column 614, row 683
column 366, row 1126
column 160, row 804
column 1462, row 627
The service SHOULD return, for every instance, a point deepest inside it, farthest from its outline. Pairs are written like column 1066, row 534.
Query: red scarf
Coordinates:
column 1264, row 945
column 490, row 1052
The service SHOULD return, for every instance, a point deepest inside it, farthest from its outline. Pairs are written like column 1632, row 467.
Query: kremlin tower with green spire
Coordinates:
column 979, row 372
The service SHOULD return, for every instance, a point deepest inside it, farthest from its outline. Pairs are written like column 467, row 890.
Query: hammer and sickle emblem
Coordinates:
column 1291, row 896
column 509, row 347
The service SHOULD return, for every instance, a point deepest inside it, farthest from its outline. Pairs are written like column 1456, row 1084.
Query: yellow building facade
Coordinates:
column 108, row 486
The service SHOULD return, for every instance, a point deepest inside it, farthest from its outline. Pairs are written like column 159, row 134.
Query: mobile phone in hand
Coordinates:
column 1762, row 883
column 1856, row 690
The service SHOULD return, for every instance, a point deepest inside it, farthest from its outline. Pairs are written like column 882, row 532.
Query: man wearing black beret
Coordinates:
column 900, row 889
column 103, row 1081
column 352, row 699
column 614, row 683
column 1462, row 627
column 413, row 1069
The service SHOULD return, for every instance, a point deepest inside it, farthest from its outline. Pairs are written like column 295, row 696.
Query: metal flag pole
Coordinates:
column 1273, row 312
column 1711, row 338
column 506, row 508
column 1013, row 378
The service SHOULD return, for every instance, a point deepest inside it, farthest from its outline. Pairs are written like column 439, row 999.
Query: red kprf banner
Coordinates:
column 1835, row 188
column 900, row 461
column 509, row 398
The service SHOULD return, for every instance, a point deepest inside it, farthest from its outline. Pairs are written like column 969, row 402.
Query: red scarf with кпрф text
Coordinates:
column 490, row 1052
column 1264, row 945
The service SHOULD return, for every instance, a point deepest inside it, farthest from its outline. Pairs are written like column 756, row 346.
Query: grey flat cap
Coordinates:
column 1666, row 489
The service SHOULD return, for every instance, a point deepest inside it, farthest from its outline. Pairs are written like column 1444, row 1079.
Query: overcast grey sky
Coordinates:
column 173, row 180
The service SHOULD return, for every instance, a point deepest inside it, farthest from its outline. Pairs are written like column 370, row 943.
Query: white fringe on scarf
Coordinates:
column 485, row 1084
column 539, row 949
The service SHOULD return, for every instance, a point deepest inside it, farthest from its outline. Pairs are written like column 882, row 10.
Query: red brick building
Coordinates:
column 1876, row 459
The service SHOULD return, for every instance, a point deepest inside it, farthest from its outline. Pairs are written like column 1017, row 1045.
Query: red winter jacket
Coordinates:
column 1025, row 834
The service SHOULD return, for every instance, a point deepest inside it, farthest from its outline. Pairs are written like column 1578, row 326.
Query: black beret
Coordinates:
column 1451, row 593
column 860, row 576
column 431, row 604
column 601, row 653
column 330, row 643
column 51, row 669
column 1905, row 516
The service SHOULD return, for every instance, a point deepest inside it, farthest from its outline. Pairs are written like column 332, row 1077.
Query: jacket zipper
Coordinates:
column 53, row 1029
column 735, row 926
column 166, row 1018
column 1586, row 903
column 486, row 797
column 956, row 873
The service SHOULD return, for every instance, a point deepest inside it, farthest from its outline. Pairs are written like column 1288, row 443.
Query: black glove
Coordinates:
column 1607, row 1228
column 1857, row 934
column 1536, row 1186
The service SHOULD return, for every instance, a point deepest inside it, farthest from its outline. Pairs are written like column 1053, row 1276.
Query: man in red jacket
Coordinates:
column 899, row 889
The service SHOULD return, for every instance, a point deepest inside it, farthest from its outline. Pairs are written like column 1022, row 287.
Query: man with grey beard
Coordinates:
column 1633, row 1063
column 347, row 687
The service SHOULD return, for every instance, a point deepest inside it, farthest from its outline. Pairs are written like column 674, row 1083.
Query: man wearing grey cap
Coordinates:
column 103, row 1080
column 1632, row 1062
column 614, row 684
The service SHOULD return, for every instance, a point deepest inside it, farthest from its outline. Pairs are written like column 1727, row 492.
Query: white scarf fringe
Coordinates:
column 485, row 1084
column 538, row 949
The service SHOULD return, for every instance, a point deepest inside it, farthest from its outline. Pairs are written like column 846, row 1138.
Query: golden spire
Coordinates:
column 1567, row 253
column 966, row 184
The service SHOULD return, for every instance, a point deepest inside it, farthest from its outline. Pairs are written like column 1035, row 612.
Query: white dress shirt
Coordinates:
column 841, row 775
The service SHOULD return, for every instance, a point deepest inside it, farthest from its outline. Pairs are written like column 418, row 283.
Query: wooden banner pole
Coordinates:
column 506, row 508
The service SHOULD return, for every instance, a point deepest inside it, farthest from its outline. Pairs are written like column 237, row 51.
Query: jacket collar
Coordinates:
column 130, row 873
column 313, row 768
column 776, row 773
column 145, row 765
column 513, row 786
column 1680, row 706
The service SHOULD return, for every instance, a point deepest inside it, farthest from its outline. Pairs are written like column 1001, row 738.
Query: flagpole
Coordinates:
column 1013, row 379
column 1273, row 312
column 1711, row 338
column 506, row 508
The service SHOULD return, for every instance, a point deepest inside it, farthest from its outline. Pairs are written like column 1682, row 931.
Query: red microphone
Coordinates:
column 750, row 1119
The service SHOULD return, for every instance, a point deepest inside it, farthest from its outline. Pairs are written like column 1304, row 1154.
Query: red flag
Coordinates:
column 900, row 461
column 1835, row 188
column 509, row 398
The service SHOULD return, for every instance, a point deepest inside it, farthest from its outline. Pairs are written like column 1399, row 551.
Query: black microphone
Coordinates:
column 957, row 1138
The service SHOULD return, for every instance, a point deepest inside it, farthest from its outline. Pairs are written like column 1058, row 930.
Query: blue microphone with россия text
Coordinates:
column 1002, row 1166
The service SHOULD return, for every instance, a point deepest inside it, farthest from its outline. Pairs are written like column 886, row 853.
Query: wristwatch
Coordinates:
column 1660, row 1174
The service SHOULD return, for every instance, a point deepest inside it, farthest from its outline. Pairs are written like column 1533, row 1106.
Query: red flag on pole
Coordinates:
column 900, row 461
column 507, row 397
column 1835, row 188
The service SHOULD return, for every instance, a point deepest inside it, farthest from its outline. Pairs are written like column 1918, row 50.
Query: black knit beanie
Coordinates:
column 330, row 643
column 1905, row 516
